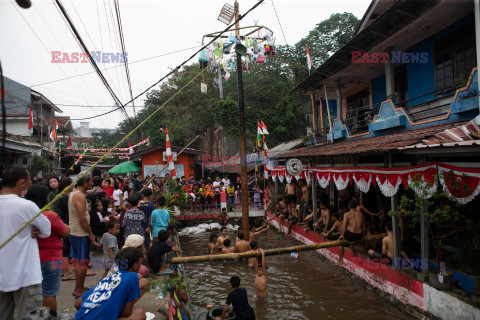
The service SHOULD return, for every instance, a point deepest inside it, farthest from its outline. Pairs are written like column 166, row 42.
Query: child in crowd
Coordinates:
column 109, row 211
column 223, row 197
column 257, row 194
column 201, row 197
column 230, row 195
column 212, row 245
column 253, row 261
column 209, row 195
column 147, row 207
column 134, row 219
column 160, row 218
column 115, row 296
column 226, row 247
column 261, row 279
column 223, row 217
column 97, row 220
column 110, row 245
column 156, row 257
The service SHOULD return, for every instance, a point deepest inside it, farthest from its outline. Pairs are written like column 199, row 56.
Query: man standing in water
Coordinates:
column 222, row 238
column 241, row 245
column 238, row 298
column 353, row 227
column 261, row 278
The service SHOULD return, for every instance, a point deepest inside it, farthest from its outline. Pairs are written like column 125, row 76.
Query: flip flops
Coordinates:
column 167, row 271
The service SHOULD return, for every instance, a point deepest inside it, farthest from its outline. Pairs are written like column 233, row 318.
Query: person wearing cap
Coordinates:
column 132, row 241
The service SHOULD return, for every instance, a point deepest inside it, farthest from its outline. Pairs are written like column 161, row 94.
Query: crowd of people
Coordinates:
column 113, row 215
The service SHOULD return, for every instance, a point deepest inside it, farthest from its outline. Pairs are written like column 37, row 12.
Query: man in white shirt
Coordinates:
column 226, row 182
column 20, row 271
column 216, row 185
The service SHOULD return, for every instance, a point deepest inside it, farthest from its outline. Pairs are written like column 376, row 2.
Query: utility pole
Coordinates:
column 241, row 118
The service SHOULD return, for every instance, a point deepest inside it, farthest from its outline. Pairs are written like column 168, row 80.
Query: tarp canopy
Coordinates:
column 125, row 167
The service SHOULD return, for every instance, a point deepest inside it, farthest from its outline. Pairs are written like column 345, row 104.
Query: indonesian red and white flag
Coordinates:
column 264, row 128
column 30, row 118
column 171, row 165
column 53, row 134
column 309, row 60
column 130, row 148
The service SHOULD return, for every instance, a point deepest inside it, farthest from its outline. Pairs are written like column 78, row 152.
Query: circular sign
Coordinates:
column 294, row 167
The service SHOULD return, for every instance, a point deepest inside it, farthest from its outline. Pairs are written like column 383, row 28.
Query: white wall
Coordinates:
column 17, row 127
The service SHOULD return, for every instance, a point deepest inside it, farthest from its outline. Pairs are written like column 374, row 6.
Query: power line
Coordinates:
column 240, row 17
column 122, row 42
column 92, row 62
column 278, row 19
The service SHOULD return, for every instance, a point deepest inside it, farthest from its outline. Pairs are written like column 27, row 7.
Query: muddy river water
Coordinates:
column 303, row 288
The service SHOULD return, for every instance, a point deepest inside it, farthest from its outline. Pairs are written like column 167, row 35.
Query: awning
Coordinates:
column 461, row 184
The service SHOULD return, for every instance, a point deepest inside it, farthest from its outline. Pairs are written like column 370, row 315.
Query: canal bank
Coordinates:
column 303, row 288
column 402, row 287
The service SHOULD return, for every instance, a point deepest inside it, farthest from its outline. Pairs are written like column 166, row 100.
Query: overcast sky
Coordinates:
column 151, row 28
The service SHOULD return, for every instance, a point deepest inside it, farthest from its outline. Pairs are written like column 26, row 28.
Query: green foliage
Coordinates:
column 40, row 163
column 443, row 216
column 173, row 284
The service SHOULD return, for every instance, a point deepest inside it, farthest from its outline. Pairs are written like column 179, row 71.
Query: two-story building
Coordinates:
column 402, row 96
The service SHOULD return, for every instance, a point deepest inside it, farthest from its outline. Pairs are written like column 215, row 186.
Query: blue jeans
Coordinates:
column 51, row 273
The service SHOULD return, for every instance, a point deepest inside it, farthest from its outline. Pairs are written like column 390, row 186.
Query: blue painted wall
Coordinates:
column 421, row 76
column 379, row 92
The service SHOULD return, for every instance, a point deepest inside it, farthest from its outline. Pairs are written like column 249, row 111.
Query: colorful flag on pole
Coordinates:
column 309, row 60
column 30, row 118
column 265, row 148
column 259, row 133
column 69, row 143
column 171, row 165
column 130, row 148
column 53, row 134
column 264, row 128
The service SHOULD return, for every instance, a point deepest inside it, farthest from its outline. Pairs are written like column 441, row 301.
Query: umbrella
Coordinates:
column 125, row 167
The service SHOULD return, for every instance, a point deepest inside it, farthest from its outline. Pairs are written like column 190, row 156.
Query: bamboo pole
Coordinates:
column 270, row 252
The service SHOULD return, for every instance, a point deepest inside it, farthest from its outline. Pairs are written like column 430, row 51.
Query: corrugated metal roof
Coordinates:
column 374, row 144
column 460, row 136
column 285, row 146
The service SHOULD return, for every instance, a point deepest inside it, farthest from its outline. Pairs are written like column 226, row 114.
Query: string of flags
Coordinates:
column 147, row 140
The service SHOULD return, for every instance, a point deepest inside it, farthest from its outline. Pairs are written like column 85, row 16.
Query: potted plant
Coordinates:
column 443, row 217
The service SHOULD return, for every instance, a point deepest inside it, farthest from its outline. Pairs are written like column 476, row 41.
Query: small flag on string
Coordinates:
column 309, row 61
column 69, row 143
column 130, row 148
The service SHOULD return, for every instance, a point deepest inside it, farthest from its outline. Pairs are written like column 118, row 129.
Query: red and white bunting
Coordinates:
column 461, row 184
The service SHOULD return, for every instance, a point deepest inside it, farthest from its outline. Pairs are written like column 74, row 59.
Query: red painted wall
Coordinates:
column 188, row 161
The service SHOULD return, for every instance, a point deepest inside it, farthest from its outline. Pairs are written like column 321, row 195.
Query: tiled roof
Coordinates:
column 373, row 144
column 62, row 121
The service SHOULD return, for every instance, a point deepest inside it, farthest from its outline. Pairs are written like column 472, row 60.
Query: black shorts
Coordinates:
column 291, row 198
column 333, row 237
column 146, row 239
column 293, row 220
column 382, row 258
column 350, row 236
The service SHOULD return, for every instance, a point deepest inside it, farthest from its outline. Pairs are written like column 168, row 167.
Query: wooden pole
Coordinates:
column 272, row 252
column 328, row 111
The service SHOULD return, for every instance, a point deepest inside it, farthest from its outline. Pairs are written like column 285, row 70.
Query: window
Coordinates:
column 401, row 86
column 359, row 112
column 454, row 57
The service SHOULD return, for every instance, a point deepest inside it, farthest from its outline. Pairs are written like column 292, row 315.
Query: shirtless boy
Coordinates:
column 223, row 217
column 254, row 232
column 261, row 279
column 291, row 198
column 323, row 222
column 387, row 247
column 226, row 247
column 304, row 200
column 212, row 245
column 242, row 245
column 336, row 230
column 253, row 261
column 353, row 227
column 222, row 238
column 281, row 212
